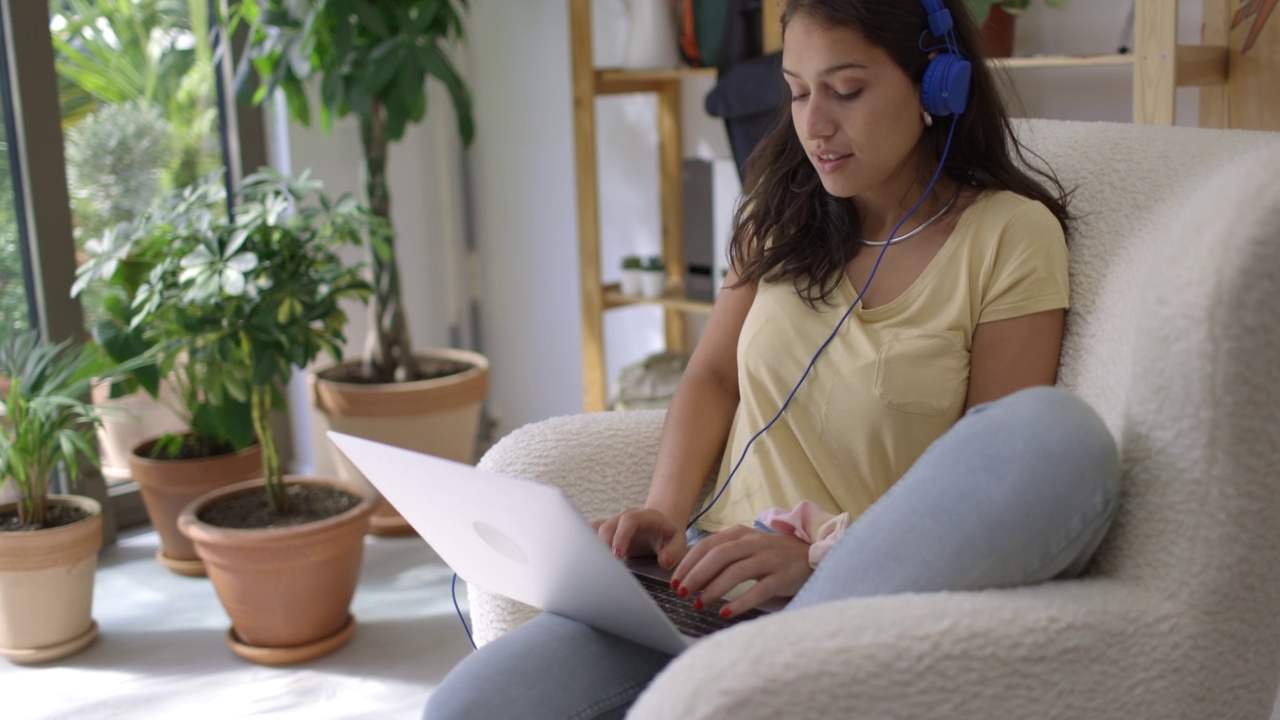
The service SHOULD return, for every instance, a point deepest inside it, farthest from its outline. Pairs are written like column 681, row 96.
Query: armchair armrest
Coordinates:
column 602, row 461
column 1075, row 649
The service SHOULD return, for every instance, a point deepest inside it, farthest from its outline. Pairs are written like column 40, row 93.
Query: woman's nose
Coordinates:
column 816, row 121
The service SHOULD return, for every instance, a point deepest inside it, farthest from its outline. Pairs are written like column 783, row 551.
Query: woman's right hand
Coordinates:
column 637, row 532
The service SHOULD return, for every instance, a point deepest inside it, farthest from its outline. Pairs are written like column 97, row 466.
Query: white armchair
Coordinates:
column 1174, row 337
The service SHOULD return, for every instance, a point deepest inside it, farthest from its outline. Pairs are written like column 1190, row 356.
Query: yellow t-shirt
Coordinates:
column 893, row 380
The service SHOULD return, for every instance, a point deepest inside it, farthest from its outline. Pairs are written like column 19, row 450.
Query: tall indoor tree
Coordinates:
column 370, row 59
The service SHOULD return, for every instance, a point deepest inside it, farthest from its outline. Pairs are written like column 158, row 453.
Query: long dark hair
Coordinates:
column 789, row 227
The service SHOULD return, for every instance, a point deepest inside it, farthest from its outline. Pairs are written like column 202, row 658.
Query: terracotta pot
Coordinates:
column 287, row 590
column 998, row 33
column 440, row 417
column 46, row 586
column 169, row 485
column 129, row 421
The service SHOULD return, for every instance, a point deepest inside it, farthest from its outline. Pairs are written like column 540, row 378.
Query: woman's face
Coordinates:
column 856, row 112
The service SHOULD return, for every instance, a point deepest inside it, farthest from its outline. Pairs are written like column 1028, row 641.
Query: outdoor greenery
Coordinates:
column 47, row 423
column 370, row 59
column 982, row 8
column 235, row 304
column 116, row 160
column 14, row 315
column 156, row 53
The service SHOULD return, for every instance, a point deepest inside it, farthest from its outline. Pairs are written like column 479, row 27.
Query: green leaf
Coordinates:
column 371, row 19
column 437, row 64
column 384, row 62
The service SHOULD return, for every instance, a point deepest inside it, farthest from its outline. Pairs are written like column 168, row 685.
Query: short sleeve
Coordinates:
column 1029, row 269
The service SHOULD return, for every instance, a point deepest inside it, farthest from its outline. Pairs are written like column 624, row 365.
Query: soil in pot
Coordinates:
column 55, row 516
column 307, row 503
column 424, row 368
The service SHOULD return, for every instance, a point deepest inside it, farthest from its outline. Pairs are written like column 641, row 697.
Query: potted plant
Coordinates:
column 632, row 268
column 653, row 277
column 260, row 294
column 204, row 445
column 116, row 263
column 996, row 18
column 372, row 59
column 48, row 543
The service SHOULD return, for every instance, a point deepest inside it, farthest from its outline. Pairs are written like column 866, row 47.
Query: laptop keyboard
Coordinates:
column 694, row 623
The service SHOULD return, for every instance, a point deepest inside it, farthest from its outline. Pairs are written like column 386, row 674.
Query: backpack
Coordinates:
column 702, row 27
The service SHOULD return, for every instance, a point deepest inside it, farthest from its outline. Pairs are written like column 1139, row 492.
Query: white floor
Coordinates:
column 161, row 651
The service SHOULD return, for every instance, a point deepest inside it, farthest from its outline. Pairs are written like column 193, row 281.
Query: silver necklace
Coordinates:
column 925, row 224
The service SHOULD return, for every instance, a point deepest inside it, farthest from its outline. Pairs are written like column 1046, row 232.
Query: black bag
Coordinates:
column 749, row 94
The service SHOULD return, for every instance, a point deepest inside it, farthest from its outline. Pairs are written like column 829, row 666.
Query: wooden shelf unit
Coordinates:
column 1160, row 66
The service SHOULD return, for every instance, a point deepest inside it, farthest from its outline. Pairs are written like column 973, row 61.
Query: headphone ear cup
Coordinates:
column 945, row 87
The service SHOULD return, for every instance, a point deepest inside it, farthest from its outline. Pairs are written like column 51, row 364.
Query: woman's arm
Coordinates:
column 693, row 436
column 1013, row 354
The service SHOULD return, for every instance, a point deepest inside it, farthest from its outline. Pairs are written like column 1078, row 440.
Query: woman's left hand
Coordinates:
column 720, row 562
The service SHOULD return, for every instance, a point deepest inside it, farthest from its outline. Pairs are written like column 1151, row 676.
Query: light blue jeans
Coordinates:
column 1018, row 492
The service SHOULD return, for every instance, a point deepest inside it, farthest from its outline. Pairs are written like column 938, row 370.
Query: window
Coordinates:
column 117, row 102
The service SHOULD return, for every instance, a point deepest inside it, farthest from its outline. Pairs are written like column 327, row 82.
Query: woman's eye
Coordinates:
column 797, row 97
column 850, row 95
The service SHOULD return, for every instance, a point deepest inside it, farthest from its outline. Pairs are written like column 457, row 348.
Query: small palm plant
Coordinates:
column 48, row 425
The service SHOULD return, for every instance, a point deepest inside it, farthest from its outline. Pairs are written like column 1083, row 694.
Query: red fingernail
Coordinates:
column 666, row 561
column 675, row 583
column 725, row 612
column 617, row 551
column 683, row 591
column 697, row 604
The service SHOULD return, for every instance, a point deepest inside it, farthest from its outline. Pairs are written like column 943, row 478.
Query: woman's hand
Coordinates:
column 720, row 562
column 637, row 532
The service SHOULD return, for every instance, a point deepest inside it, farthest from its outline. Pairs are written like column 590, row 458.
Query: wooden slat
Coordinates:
column 629, row 76
column 772, row 31
column 627, row 86
column 1255, row 72
column 673, row 299
column 1214, row 109
column 1058, row 61
column 1201, row 66
column 1155, row 64
column 671, row 196
column 594, row 383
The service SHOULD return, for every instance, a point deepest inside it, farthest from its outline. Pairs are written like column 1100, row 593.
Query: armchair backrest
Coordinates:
column 1174, row 337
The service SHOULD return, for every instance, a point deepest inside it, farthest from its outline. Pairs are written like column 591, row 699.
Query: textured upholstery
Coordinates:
column 1174, row 337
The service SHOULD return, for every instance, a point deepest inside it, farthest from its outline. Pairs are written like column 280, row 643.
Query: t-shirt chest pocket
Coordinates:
column 925, row 372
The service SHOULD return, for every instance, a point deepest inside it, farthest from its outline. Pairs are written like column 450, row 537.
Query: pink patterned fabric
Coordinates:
column 807, row 522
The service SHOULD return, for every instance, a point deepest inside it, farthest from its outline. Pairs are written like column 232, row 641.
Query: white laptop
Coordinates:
column 524, row 540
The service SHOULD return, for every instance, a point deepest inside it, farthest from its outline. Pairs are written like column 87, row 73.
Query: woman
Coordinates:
column 952, row 349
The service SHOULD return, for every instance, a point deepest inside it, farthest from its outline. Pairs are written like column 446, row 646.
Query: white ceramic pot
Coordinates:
column 631, row 282
column 653, row 283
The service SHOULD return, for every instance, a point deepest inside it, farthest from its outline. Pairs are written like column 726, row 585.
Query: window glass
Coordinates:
column 139, row 105
column 15, row 311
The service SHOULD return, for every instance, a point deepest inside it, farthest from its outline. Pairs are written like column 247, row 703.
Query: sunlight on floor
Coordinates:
column 161, row 651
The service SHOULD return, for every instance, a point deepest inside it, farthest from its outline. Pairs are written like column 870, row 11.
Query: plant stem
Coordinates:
column 392, row 355
column 260, row 402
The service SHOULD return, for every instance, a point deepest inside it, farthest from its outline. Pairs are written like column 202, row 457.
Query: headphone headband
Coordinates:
column 945, row 87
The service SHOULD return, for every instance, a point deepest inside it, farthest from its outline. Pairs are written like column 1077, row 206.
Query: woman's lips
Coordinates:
column 828, row 162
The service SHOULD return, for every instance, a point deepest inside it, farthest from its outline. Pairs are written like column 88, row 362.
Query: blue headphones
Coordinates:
column 945, row 88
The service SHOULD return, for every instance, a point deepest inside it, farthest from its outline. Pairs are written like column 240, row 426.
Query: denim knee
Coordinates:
column 1032, row 414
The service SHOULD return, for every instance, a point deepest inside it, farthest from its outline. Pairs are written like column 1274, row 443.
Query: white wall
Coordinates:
column 523, row 193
